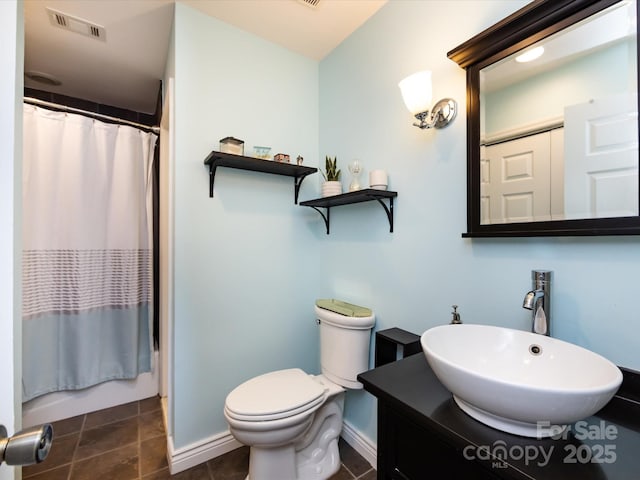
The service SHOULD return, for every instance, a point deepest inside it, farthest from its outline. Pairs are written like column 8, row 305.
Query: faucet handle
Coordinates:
column 456, row 316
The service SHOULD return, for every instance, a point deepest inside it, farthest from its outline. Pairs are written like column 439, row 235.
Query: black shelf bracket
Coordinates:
column 388, row 210
column 240, row 162
column 212, row 177
column 326, row 217
column 297, row 183
column 359, row 196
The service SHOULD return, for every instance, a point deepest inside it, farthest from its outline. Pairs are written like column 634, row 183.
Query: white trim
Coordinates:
column 11, row 86
column 522, row 131
column 360, row 443
column 166, row 292
column 199, row 452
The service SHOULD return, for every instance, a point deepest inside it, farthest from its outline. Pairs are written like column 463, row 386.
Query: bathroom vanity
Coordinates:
column 421, row 431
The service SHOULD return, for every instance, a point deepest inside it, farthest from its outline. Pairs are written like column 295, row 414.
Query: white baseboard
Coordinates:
column 360, row 443
column 187, row 457
column 191, row 455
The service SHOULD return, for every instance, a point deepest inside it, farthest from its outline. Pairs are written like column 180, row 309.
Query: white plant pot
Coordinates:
column 331, row 188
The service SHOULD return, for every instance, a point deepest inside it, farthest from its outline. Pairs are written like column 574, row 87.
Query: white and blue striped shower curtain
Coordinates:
column 87, row 252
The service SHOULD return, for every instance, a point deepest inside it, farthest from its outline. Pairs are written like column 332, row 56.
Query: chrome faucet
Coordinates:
column 539, row 301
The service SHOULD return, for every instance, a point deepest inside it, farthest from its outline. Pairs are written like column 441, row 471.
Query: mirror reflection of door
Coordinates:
column 522, row 179
column 602, row 158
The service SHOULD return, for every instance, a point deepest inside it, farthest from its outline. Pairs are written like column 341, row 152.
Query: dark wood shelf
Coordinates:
column 220, row 159
column 299, row 172
column 366, row 195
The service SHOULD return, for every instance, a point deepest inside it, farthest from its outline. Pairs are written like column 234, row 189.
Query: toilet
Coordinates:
column 292, row 420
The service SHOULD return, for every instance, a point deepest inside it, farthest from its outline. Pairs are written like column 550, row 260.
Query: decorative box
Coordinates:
column 281, row 157
column 232, row 145
column 262, row 152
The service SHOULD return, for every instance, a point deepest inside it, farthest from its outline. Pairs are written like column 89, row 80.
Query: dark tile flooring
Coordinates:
column 128, row 442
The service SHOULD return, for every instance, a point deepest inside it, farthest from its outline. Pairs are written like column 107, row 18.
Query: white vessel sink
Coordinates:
column 519, row 382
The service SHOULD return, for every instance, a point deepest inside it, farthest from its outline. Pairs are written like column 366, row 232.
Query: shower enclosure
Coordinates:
column 87, row 264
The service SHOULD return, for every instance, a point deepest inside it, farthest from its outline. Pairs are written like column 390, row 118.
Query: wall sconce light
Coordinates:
column 416, row 93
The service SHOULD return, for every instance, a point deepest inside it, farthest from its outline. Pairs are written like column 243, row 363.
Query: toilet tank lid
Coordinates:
column 342, row 321
column 343, row 308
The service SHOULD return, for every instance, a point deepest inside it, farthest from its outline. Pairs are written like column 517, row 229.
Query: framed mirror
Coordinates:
column 552, row 143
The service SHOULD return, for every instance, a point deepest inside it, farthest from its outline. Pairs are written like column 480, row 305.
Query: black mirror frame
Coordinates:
column 526, row 26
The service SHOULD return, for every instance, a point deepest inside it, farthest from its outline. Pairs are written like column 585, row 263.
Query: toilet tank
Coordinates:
column 344, row 346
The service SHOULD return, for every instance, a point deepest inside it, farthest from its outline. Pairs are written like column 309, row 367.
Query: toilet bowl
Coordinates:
column 292, row 420
column 285, row 441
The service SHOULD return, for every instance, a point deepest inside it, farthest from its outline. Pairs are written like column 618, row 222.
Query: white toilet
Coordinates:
column 292, row 420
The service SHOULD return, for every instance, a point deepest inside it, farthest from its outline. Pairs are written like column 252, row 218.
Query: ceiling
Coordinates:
column 121, row 60
column 613, row 25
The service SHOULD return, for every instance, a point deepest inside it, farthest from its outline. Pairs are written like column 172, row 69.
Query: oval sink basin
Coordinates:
column 519, row 382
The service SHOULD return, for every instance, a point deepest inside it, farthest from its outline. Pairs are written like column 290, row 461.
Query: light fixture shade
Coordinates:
column 530, row 55
column 416, row 92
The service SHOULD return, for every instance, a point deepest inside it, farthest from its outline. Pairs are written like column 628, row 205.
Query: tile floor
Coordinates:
column 128, row 442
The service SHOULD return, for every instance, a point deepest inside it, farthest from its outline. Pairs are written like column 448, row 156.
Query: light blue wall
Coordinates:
column 413, row 276
column 249, row 263
column 245, row 261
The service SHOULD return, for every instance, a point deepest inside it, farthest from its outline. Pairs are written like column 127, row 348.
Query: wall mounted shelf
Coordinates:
column 219, row 159
column 359, row 196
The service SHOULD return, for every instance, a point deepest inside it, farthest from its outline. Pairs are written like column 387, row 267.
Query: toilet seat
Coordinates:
column 275, row 395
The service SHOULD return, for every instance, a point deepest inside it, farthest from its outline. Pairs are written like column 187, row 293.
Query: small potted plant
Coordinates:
column 332, row 185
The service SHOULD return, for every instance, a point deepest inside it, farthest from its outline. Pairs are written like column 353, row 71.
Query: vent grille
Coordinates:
column 310, row 3
column 77, row 25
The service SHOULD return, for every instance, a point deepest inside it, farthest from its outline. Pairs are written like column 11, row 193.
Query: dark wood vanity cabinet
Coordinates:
column 408, row 451
column 423, row 434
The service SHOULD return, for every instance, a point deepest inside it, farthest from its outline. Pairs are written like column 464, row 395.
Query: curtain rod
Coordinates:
column 43, row 103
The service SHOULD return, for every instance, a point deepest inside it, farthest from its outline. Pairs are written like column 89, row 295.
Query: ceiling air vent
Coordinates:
column 310, row 3
column 75, row 24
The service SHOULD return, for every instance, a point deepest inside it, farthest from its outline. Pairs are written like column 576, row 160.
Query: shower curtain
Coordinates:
column 87, row 251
